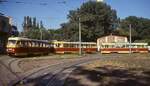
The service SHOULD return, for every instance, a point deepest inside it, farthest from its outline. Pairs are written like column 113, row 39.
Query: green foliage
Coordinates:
column 14, row 31
column 96, row 20
column 34, row 30
column 140, row 27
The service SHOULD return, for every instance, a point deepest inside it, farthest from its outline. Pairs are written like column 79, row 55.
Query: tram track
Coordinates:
column 37, row 73
column 59, row 78
column 6, row 67
column 52, row 72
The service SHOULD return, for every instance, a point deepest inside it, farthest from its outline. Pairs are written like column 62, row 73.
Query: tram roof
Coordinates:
column 26, row 39
column 63, row 42
column 18, row 38
column 124, row 43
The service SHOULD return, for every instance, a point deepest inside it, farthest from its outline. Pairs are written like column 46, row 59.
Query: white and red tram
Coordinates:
column 123, row 48
column 73, row 47
column 23, row 46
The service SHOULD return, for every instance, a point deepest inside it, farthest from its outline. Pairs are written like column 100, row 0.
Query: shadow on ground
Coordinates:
column 38, row 81
column 99, row 76
column 108, row 76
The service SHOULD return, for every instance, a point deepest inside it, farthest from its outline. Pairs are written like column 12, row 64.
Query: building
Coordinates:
column 5, row 29
column 111, row 39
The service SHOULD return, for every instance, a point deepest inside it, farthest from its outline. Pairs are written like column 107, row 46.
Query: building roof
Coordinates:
column 112, row 35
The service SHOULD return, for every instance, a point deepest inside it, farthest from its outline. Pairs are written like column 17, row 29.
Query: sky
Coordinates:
column 54, row 12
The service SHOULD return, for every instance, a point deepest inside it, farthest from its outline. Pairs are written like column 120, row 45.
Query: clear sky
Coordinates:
column 54, row 12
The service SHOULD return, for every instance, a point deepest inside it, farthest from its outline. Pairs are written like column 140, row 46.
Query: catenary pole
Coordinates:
column 80, row 48
column 130, row 38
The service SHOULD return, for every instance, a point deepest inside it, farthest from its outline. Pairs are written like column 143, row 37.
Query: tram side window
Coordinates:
column 40, row 44
column 83, row 45
column 48, row 45
column 29, row 43
column 106, row 46
column 25, row 43
column 71, row 45
column 93, row 46
column 36, row 44
column 33, row 44
column 140, row 46
column 66, row 45
column 76, row 46
column 86, row 46
column 43, row 44
column 19, row 44
column 59, row 45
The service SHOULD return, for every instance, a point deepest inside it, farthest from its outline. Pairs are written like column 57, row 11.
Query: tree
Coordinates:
column 140, row 27
column 97, row 19
column 34, row 22
column 14, row 31
column 34, row 29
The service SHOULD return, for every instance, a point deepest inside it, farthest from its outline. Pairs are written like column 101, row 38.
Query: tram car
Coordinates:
column 73, row 47
column 18, row 46
column 124, row 48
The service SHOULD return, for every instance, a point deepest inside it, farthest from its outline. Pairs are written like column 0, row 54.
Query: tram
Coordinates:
column 18, row 46
column 124, row 48
column 73, row 47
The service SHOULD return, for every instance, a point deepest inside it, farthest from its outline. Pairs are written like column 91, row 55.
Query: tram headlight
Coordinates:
column 13, row 50
column 10, row 50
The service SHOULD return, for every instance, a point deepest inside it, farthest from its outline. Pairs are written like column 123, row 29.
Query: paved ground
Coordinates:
column 6, row 73
column 48, row 74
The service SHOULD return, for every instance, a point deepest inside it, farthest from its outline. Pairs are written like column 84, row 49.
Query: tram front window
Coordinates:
column 11, row 42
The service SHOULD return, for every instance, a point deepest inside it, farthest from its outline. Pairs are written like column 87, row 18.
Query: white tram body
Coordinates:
column 124, row 48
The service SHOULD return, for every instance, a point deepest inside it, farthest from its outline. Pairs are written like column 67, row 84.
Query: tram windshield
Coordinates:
column 11, row 42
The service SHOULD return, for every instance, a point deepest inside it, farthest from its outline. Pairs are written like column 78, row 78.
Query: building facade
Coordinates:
column 5, row 29
column 111, row 39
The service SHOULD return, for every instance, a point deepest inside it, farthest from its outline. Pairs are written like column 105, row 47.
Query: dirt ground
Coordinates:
column 36, row 62
column 113, row 70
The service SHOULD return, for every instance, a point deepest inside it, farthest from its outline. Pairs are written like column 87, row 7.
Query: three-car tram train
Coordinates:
column 18, row 46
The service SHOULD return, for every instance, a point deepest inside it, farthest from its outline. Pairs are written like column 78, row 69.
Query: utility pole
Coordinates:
column 130, row 38
column 80, row 48
column 41, row 33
